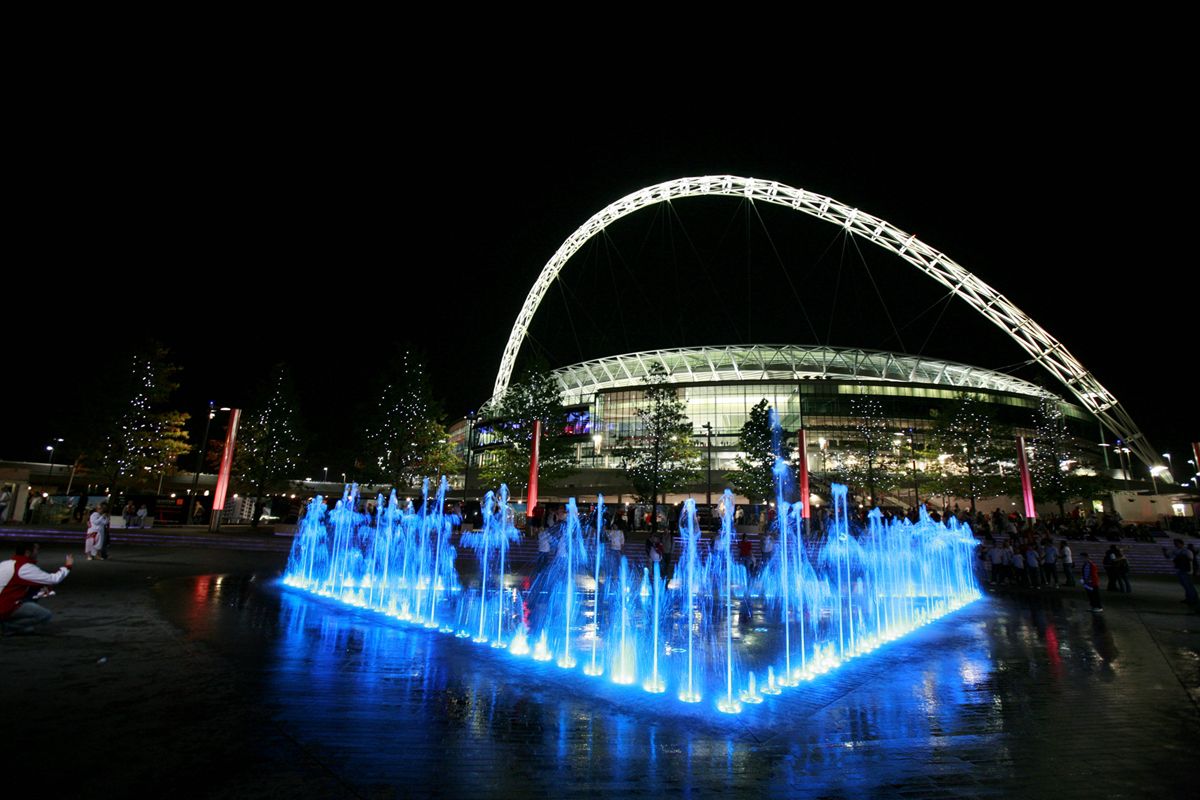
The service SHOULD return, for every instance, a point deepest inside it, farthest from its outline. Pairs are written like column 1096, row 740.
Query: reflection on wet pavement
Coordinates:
column 1021, row 695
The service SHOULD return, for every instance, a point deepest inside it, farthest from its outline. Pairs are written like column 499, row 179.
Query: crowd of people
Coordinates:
column 1012, row 552
column 1037, row 564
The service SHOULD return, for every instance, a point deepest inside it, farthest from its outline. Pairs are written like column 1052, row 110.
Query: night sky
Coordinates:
column 252, row 235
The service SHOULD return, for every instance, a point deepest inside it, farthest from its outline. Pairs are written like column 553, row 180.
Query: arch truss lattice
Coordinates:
column 993, row 306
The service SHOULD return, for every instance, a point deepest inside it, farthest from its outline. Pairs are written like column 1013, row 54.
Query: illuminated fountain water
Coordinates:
column 822, row 598
column 728, row 704
column 594, row 667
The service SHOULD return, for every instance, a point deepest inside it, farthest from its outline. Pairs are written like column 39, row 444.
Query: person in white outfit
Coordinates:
column 95, row 544
column 616, row 542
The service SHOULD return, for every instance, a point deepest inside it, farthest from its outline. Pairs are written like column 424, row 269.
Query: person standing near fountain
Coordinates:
column 1091, row 583
column 1033, row 566
column 746, row 552
column 1181, row 559
column 1064, row 551
column 654, row 550
column 543, row 548
column 1018, row 566
column 616, row 541
column 95, row 544
column 1049, row 563
column 999, row 559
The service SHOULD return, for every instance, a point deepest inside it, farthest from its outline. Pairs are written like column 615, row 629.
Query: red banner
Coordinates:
column 533, row 467
column 1026, row 481
column 226, row 460
column 802, row 446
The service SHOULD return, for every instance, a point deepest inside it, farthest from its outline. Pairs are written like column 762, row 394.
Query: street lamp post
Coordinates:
column 709, row 429
column 200, row 451
column 470, row 442
column 50, row 447
column 912, row 451
column 1155, row 471
column 191, row 510
column 1122, row 461
column 71, row 480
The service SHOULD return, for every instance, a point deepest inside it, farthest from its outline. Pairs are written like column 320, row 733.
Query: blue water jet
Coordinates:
column 823, row 597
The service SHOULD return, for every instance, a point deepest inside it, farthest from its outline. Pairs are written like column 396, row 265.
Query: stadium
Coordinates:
column 809, row 386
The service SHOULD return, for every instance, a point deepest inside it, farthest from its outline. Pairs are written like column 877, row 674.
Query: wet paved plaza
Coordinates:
column 228, row 684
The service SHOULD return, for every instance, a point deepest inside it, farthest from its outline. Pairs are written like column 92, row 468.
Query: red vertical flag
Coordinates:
column 802, row 445
column 226, row 461
column 1026, row 481
column 533, row 467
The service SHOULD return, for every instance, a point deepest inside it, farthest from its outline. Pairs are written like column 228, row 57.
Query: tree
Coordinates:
column 760, row 443
column 507, row 426
column 143, row 439
column 970, row 447
column 269, row 442
column 663, row 456
column 867, row 458
column 404, row 439
column 1055, row 465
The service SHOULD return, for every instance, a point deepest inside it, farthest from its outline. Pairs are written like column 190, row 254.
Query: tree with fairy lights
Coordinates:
column 760, row 443
column 404, row 439
column 662, row 456
column 866, row 457
column 506, row 432
column 1055, row 460
column 972, row 452
column 143, row 440
column 269, row 441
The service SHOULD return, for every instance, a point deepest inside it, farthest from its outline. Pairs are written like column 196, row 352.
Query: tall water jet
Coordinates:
column 654, row 683
column 728, row 704
column 625, row 663
column 435, row 521
column 594, row 667
column 571, row 538
column 785, row 578
column 801, row 551
column 690, row 692
column 505, row 533
column 847, row 543
column 495, row 535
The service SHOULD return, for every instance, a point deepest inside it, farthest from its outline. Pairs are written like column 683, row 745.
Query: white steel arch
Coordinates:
column 994, row 307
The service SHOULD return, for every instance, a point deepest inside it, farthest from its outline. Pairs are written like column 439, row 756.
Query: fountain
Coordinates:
column 824, row 597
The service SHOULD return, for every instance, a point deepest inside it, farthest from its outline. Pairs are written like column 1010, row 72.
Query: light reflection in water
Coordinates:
column 376, row 697
column 404, row 688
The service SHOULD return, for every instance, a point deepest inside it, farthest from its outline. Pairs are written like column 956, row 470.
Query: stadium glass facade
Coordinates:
column 807, row 386
column 810, row 387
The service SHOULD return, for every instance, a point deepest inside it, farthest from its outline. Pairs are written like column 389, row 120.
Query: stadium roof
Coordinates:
column 776, row 363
